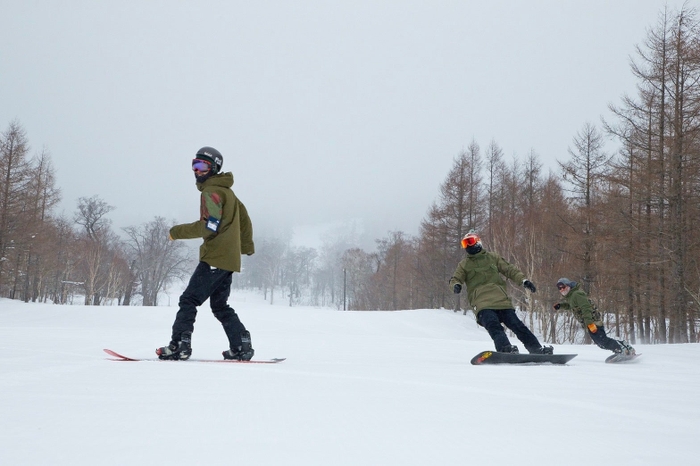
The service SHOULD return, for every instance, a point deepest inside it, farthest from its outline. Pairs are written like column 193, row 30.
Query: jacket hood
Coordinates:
column 222, row 180
column 573, row 287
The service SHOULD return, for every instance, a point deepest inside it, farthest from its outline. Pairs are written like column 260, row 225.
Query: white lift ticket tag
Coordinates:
column 213, row 224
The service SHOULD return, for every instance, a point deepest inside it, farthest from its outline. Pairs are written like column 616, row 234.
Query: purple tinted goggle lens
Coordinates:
column 200, row 165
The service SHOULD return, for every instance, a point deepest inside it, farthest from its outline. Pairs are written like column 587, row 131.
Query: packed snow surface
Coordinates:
column 357, row 388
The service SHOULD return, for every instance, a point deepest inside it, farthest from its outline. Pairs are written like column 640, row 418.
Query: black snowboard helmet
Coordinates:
column 212, row 156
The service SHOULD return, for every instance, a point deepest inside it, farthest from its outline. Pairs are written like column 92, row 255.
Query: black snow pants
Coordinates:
column 604, row 341
column 215, row 284
column 492, row 319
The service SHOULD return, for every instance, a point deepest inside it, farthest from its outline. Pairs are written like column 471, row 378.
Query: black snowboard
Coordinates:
column 493, row 357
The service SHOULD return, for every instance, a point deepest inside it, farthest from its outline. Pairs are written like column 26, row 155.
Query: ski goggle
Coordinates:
column 200, row 165
column 469, row 241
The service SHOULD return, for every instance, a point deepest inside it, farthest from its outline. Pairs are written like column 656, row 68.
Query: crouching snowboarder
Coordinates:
column 577, row 301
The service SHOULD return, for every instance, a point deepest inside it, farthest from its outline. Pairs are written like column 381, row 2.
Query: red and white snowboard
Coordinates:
column 121, row 357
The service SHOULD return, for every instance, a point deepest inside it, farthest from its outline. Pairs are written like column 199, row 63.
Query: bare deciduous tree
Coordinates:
column 157, row 261
column 91, row 215
column 15, row 169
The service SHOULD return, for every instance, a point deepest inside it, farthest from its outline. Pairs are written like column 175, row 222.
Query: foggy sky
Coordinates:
column 326, row 112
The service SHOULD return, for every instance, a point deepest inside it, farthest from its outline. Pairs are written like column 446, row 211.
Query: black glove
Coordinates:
column 556, row 306
column 529, row 285
column 457, row 288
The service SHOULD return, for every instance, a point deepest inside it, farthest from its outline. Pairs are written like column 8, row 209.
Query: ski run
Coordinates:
column 357, row 388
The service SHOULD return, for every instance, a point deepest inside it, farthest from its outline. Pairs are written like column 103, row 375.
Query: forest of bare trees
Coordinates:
column 50, row 258
column 619, row 214
column 622, row 223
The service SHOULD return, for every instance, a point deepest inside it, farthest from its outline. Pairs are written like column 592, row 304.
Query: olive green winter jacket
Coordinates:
column 223, row 224
column 583, row 308
column 481, row 273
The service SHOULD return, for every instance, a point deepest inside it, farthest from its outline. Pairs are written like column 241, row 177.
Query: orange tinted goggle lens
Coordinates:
column 469, row 241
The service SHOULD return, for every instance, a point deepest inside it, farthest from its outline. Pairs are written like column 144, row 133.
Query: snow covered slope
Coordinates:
column 358, row 388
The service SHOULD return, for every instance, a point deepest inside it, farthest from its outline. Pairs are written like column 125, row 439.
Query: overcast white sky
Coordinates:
column 325, row 111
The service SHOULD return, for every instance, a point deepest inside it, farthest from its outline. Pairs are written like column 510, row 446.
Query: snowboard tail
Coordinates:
column 621, row 358
column 494, row 357
column 121, row 357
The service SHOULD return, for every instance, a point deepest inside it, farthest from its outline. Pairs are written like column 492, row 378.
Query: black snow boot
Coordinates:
column 543, row 350
column 244, row 352
column 509, row 349
column 177, row 350
column 625, row 348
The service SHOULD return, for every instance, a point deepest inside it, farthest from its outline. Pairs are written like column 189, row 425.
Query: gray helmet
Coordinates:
column 566, row 282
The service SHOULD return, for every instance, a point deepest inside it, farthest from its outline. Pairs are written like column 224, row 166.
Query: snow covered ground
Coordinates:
column 358, row 388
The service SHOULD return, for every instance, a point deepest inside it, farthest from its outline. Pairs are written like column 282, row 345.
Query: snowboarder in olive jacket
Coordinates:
column 576, row 300
column 225, row 227
column 481, row 273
